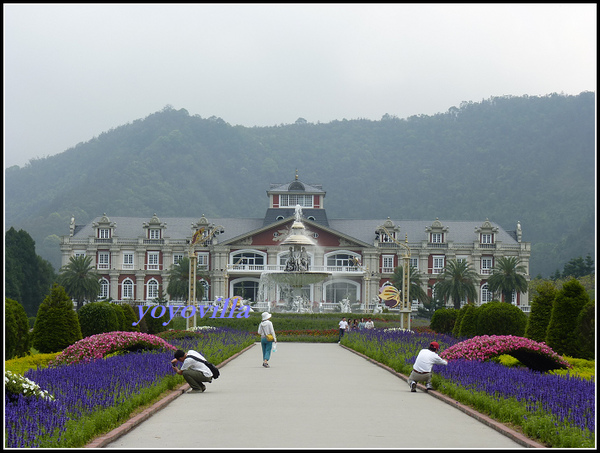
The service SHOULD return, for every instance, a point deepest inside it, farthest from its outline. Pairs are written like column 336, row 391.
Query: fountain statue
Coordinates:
column 297, row 273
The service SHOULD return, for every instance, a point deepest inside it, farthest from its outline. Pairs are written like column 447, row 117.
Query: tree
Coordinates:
column 179, row 280
column 457, row 283
column 56, row 324
column 16, row 330
column 507, row 277
column 577, row 267
column 541, row 310
column 80, row 279
column 562, row 334
column 28, row 277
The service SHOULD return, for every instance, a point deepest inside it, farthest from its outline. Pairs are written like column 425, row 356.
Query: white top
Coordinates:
column 195, row 365
column 265, row 328
column 343, row 324
column 426, row 359
column 369, row 325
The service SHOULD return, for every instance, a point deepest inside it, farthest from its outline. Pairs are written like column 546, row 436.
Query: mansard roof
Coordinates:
column 358, row 230
column 276, row 214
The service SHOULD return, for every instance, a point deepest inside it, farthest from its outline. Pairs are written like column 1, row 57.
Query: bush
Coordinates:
column 468, row 325
column 563, row 334
column 16, row 330
column 500, row 318
column 98, row 317
column 130, row 318
column 443, row 320
column 56, row 324
column 586, row 327
column 459, row 317
column 541, row 310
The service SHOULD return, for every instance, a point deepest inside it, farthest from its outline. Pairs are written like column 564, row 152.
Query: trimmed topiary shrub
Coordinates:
column 563, row 332
column 458, row 320
column 541, row 310
column 98, row 317
column 130, row 318
column 56, row 324
column 586, row 327
column 500, row 318
column 17, row 340
column 443, row 320
column 468, row 325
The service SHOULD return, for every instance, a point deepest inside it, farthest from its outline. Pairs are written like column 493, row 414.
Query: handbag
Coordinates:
column 270, row 337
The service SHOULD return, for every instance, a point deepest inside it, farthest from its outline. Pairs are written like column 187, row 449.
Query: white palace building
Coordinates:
column 134, row 255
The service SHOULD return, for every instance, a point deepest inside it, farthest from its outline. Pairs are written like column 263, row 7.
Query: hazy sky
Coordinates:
column 72, row 72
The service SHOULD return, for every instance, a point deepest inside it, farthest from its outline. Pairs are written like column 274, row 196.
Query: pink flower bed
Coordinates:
column 100, row 345
column 487, row 346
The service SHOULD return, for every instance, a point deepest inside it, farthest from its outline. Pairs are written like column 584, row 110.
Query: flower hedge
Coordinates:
column 100, row 345
column 534, row 355
column 15, row 384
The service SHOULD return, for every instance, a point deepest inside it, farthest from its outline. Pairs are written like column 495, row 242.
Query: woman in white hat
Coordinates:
column 267, row 337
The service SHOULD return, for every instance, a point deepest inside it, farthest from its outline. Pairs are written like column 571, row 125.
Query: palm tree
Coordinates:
column 507, row 276
column 416, row 291
column 80, row 279
column 457, row 282
column 179, row 280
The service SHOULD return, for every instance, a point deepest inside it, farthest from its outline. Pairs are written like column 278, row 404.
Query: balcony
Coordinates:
column 260, row 268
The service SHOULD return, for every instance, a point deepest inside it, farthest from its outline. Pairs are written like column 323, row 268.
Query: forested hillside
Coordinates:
column 509, row 159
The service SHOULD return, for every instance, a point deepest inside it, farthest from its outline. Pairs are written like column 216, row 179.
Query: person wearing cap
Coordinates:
column 266, row 328
column 422, row 369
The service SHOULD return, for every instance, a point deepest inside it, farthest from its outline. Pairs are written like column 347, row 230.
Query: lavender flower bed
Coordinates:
column 570, row 399
column 78, row 390
column 81, row 389
column 567, row 400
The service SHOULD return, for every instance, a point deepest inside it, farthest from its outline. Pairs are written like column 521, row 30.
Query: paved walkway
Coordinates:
column 313, row 396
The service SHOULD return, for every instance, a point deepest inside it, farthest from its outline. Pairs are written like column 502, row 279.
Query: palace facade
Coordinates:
column 134, row 255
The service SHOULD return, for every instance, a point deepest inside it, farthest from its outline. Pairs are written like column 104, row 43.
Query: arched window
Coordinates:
column 127, row 289
column 486, row 294
column 340, row 289
column 104, row 289
column 340, row 260
column 254, row 260
column 152, row 289
column 247, row 288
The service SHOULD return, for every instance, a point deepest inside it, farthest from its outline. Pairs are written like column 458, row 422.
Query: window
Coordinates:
column 104, row 233
column 203, row 259
column 152, row 290
column 341, row 260
column 247, row 289
column 338, row 290
column 127, row 289
column 78, row 253
column 486, row 265
column 177, row 257
column 387, row 263
column 127, row 260
column 154, row 233
column 103, row 260
column 383, row 237
column 104, row 286
column 486, row 238
column 438, row 264
column 414, row 262
column 436, row 238
column 486, row 295
column 287, row 200
column 153, row 260
column 251, row 259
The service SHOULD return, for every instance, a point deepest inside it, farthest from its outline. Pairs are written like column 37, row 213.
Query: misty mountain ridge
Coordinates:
column 528, row 159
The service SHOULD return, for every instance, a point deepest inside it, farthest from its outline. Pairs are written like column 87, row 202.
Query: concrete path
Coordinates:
column 313, row 396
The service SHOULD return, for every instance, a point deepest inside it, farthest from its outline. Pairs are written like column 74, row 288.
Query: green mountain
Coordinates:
column 528, row 159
